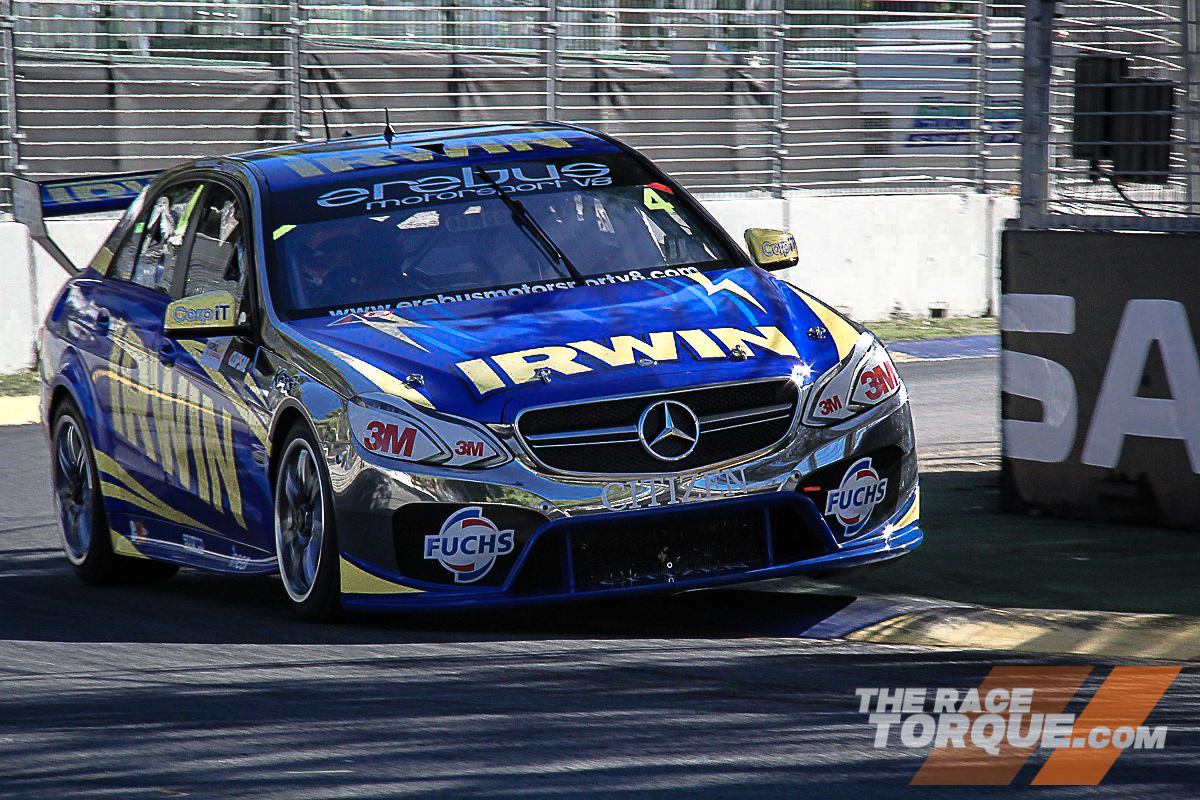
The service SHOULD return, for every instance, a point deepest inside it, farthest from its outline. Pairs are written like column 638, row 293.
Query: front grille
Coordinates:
column 601, row 436
column 658, row 551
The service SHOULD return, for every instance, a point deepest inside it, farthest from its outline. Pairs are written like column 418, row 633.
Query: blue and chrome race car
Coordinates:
column 465, row 367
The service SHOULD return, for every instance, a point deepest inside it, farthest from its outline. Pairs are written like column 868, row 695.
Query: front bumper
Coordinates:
column 762, row 520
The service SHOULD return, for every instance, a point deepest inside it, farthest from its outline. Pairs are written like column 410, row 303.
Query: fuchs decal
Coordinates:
column 854, row 500
column 468, row 544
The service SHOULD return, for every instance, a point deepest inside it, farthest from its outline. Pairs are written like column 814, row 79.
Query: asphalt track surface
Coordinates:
column 207, row 687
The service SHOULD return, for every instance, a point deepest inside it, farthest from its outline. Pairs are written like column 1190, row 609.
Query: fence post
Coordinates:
column 1035, row 122
column 8, row 43
column 779, row 34
column 982, row 128
column 295, row 107
column 1191, row 100
column 551, row 32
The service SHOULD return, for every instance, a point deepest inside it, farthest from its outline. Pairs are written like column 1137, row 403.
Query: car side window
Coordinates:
column 165, row 229
column 218, row 256
column 126, row 255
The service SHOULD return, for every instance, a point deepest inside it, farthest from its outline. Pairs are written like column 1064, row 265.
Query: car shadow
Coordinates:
column 42, row 600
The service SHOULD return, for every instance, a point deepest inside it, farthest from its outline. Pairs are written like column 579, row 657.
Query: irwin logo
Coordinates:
column 575, row 358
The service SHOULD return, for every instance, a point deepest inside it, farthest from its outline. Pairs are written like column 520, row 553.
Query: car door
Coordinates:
column 220, row 419
column 130, row 304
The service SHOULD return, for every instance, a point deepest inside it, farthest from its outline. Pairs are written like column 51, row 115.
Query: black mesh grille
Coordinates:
column 659, row 551
column 713, row 445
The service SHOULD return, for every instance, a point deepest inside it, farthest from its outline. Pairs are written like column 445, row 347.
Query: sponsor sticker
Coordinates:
column 392, row 435
column 468, row 544
column 853, row 501
column 673, row 490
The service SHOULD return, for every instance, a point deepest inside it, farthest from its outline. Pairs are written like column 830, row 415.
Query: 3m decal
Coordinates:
column 524, row 366
column 829, row 405
column 877, row 382
column 854, row 500
column 469, row 448
column 390, row 438
column 468, row 544
column 392, row 435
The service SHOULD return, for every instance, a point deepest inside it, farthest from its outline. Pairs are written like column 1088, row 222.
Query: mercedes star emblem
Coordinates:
column 668, row 430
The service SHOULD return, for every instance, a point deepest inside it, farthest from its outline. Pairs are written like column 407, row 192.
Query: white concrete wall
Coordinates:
column 25, row 293
column 869, row 256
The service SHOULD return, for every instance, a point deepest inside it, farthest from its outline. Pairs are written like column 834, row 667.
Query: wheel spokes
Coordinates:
column 299, row 521
column 292, row 488
column 73, row 490
column 65, row 461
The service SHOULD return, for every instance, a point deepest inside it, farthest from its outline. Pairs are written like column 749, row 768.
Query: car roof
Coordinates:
column 336, row 160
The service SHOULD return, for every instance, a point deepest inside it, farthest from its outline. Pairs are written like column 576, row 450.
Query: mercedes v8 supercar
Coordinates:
column 465, row 367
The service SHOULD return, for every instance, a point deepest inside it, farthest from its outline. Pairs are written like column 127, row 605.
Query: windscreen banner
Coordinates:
column 1100, row 378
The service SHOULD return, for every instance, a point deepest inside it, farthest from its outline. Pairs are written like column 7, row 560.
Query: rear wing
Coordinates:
column 34, row 203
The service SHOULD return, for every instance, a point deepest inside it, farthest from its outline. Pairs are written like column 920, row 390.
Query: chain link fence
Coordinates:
column 741, row 96
column 1112, row 127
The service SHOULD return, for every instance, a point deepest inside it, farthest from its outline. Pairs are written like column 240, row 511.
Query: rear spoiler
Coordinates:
column 34, row 203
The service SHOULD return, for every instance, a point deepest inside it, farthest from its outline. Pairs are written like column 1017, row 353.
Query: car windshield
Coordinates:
column 436, row 235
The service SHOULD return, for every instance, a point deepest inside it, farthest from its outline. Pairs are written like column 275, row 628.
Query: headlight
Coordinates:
column 863, row 379
column 384, row 426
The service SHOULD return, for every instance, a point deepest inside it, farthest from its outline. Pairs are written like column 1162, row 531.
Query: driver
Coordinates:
column 326, row 267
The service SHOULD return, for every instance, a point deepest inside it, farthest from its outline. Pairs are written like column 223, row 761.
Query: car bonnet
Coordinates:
column 488, row 359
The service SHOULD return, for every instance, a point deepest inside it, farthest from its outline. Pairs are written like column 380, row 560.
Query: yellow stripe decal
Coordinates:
column 385, row 381
column 254, row 423
column 123, row 547
column 358, row 581
column 843, row 333
column 158, row 509
column 914, row 513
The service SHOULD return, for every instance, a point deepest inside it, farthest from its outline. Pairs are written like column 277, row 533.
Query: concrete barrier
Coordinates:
column 870, row 256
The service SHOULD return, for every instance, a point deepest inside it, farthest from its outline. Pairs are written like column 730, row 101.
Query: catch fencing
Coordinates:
column 1112, row 115
column 746, row 96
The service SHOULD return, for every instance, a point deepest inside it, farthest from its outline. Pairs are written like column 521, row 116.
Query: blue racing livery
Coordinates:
column 478, row 366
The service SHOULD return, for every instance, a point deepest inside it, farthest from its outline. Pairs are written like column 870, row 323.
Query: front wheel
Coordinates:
column 305, row 534
column 85, row 532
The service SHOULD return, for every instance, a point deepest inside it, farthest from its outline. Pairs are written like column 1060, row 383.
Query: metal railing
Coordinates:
column 728, row 95
column 1142, row 92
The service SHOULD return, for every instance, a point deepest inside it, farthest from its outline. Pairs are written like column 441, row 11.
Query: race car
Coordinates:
column 468, row 367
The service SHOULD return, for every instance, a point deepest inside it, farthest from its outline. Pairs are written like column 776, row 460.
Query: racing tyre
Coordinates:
column 305, row 533
column 80, row 504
